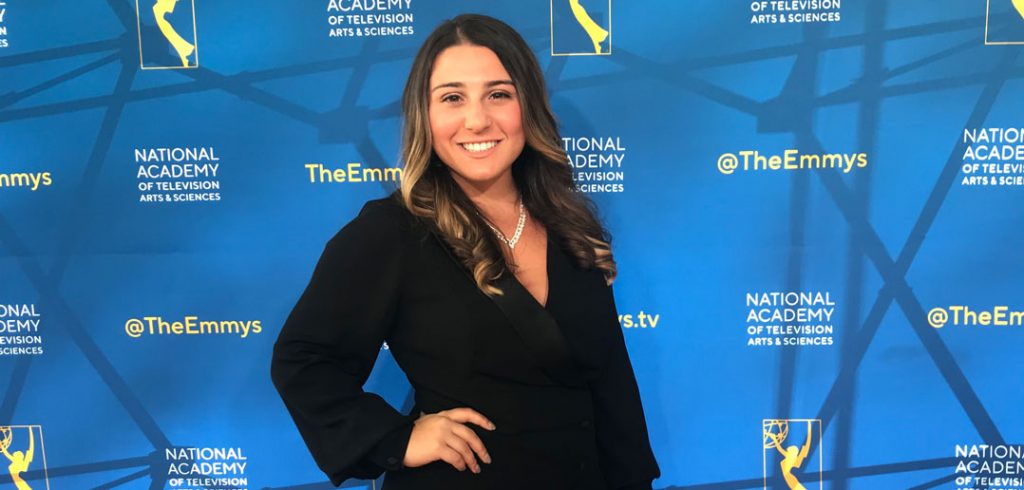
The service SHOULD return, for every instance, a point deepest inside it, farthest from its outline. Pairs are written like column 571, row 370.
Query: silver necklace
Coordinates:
column 519, row 228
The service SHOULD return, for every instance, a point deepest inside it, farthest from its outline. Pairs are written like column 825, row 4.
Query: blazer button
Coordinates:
column 392, row 461
column 585, row 424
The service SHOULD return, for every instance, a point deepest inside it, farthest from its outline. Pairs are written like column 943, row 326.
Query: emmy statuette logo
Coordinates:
column 1004, row 22
column 22, row 448
column 167, row 34
column 787, row 445
column 581, row 27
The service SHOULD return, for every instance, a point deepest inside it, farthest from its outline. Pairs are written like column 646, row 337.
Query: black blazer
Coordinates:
column 556, row 380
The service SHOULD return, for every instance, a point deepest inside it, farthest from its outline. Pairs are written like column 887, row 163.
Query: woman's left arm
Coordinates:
column 624, row 448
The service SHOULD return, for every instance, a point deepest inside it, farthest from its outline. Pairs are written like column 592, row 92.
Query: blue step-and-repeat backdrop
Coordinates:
column 816, row 208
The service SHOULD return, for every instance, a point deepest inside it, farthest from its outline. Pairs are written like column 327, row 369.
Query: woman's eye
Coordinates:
column 456, row 97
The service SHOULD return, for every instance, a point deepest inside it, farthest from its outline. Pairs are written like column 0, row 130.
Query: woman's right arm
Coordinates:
column 330, row 342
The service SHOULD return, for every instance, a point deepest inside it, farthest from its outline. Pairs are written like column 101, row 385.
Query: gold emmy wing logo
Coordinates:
column 167, row 36
column 1012, row 33
column 786, row 451
column 595, row 32
column 19, row 445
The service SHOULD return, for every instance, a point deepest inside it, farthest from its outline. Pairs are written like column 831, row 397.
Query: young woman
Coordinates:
column 490, row 278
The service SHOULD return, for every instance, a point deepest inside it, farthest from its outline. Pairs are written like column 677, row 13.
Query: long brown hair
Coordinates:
column 541, row 172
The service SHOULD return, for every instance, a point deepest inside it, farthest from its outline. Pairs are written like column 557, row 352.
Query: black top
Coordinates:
column 556, row 380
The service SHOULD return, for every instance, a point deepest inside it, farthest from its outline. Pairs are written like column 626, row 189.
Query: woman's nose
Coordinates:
column 476, row 117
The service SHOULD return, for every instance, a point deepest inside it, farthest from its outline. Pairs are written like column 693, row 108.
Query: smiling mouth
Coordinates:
column 479, row 147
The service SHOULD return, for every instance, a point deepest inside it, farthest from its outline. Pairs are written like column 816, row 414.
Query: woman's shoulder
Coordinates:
column 379, row 232
column 383, row 218
column 388, row 206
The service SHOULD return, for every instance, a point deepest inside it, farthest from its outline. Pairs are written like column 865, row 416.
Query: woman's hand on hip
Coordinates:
column 445, row 436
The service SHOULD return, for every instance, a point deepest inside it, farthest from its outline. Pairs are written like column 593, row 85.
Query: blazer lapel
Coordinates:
column 534, row 324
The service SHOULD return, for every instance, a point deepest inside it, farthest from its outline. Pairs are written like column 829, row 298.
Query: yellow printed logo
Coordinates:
column 581, row 27
column 963, row 315
column 787, row 449
column 191, row 325
column 30, row 180
column 352, row 173
column 22, row 447
column 167, row 34
column 1004, row 22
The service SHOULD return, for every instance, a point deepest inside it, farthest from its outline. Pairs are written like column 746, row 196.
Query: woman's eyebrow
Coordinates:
column 489, row 84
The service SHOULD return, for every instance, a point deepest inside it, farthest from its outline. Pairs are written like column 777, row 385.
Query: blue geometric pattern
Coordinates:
column 899, row 81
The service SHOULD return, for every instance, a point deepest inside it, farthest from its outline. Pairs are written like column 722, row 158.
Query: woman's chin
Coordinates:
column 479, row 179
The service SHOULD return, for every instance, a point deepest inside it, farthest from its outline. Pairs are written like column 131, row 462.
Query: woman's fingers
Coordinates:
column 452, row 457
column 466, row 414
column 473, row 440
column 446, row 436
column 459, row 444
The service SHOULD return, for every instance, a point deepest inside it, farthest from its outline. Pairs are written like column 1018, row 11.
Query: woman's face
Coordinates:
column 475, row 119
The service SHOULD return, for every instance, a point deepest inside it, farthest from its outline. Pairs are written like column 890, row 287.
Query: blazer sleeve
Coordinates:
column 329, row 344
column 624, row 449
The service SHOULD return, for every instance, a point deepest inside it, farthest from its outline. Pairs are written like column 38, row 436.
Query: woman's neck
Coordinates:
column 495, row 199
